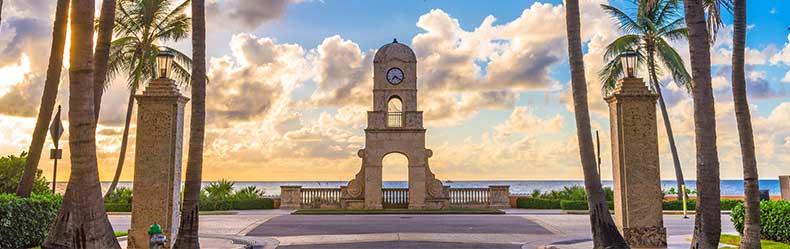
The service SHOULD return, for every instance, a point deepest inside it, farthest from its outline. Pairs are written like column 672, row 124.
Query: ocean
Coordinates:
column 728, row 187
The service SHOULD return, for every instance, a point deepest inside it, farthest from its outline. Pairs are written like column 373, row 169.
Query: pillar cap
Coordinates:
column 630, row 88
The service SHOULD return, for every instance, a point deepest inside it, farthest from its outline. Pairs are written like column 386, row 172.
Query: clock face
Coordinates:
column 394, row 76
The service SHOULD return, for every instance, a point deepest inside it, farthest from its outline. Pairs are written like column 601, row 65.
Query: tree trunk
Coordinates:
column 1, row 11
column 707, row 225
column 667, row 126
column 188, row 231
column 48, row 98
column 605, row 233
column 102, row 54
column 751, row 230
column 82, row 221
column 124, row 143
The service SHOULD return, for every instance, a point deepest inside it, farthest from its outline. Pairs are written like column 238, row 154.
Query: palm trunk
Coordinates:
column 48, row 98
column 707, row 225
column 188, row 231
column 102, row 54
column 124, row 143
column 751, row 230
column 82, row 221
column 1, row 11
column 605, row 233
column 667, row 126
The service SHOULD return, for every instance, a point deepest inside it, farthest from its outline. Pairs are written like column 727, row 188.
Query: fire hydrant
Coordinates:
column 158, row 240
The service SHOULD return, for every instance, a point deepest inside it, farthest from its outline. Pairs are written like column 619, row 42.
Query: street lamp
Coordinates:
column 164, row 62
column 628, row 62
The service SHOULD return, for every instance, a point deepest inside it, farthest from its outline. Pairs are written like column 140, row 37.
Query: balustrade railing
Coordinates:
column 395, row 197
column 469, row 195
column 311, row 196
column 394, row 119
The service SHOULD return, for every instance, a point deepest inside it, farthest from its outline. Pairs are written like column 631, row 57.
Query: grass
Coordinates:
column 766, row 244
column 121, row 233
column 218, row 212
column 400, row 211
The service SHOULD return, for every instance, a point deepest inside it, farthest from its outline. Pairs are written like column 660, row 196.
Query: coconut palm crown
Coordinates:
column 648, row 33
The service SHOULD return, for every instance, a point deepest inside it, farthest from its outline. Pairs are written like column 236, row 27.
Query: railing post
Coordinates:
column 290, row 197
column 499, row 196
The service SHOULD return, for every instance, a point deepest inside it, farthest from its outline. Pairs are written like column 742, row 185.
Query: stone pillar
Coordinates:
column 157, row 161
column 784, row 187
column 499, row 196
column 637, row 181
column 290, row 197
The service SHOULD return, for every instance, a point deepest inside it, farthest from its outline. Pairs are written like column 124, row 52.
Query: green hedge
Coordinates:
column 580, row 205
column 774, row 219
column 118, row 207
column 537, row 203
column 262, row 203
column 691, row 204
column 24, row 221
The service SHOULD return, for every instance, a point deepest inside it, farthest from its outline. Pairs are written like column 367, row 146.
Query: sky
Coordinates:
column 291, row 81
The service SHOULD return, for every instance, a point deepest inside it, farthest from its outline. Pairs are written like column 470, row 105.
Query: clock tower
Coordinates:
column 395, row 126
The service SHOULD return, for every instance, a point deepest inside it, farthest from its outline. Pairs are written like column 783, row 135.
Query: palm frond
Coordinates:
column 621, row 44
column 674, row 64
column 627, row 24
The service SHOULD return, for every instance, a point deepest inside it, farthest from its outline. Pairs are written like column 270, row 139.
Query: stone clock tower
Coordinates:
column 395, row 126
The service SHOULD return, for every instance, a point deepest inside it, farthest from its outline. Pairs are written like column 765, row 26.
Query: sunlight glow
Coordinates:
column 13, row 74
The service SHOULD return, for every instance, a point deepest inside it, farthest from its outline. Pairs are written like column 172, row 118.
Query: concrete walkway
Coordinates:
column 518, row 228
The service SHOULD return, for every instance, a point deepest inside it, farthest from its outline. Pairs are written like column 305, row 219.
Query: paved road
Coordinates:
column 404, row 244
column 300, row 225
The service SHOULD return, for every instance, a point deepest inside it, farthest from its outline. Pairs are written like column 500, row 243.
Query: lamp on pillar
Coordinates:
column 164, row 63
column 628, row 61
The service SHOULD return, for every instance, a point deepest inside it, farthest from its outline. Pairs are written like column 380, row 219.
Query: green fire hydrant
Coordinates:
column 158, row 240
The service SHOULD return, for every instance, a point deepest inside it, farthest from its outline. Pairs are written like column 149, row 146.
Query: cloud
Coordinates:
column 344, row 73
column 248, row 14
column 524, row 120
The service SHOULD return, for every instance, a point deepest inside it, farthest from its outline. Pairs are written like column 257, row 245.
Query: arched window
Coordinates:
column 395, row 112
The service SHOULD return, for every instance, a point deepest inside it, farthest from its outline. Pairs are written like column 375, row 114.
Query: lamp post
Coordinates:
column 164, row 63
column 628, row 61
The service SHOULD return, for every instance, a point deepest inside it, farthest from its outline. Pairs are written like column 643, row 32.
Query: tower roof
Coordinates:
column 395, row 50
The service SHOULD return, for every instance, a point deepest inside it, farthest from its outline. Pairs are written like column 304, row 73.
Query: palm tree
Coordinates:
column 707, row 225
column 82, row 221
column 751, row 231
column 102, row 54
column 139, row 25
column 647, row 33
column 188, row 228
column 605, row 233
column 48, row 98
column 1, row 11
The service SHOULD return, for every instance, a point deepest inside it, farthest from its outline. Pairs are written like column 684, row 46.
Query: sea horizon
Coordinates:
column 729, row 187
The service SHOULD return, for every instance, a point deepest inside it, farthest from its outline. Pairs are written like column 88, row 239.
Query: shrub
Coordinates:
column 11, row 168
column 576, row 193
column 260, row 203
column 219, row 190
column 580, row 205
column 248, row 193
column 774, row 219
column 118, row 207
column 119, row 195
column 24, row 222
column 537, row 203
column 691, row 204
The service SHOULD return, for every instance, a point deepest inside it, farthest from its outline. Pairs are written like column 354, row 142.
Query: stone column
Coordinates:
column 499, row 196
column 290, row 197
column 784, row 187
column 157, row 161
column 637, row 181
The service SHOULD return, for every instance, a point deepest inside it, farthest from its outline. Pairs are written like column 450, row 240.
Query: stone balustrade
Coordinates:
column 293, row 197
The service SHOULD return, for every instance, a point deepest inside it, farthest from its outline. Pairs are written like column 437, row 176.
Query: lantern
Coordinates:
column 164, row 63
column 628, row 62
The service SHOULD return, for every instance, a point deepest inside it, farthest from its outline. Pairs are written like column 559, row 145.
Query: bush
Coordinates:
column 248, row 193
column 24, row 222
column 118, row 207
column 576, row 193
column 119, row 195
column 537, row 203
column 774, row 219
column 219, row 190
column 580, row 205
column 11, row 168
column 214, row 205
column 691, row 204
